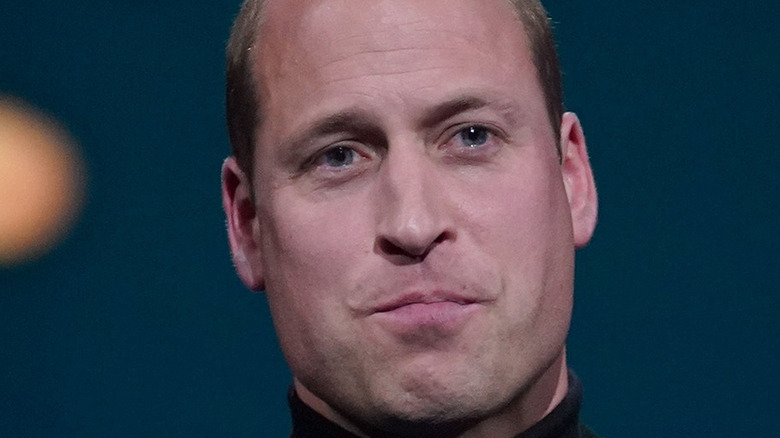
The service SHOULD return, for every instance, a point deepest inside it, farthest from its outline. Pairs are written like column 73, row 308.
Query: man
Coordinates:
column 407, row 190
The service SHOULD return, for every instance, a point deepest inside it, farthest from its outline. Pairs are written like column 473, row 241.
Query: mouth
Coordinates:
column 421, row 300
column 436, row 315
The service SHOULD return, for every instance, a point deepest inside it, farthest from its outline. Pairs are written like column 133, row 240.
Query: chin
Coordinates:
column 434, row 409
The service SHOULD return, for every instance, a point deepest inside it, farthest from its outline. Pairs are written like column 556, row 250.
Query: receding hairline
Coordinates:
column 243, row 101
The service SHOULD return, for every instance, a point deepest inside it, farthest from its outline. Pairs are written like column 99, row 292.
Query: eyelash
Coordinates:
column 492, row 134
column 455, row 133
column 319, row 158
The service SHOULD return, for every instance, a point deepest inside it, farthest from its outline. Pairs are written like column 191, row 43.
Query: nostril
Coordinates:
column 407, row 253
column 390, row 248
column 441, row 238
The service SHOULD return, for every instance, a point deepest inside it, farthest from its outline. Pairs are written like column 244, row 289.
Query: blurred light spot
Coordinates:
column 41, row 182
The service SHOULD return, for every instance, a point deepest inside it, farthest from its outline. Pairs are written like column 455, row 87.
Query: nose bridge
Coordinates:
column 411, row 211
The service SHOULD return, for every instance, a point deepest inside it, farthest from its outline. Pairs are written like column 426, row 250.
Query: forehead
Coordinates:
column 349, row 18
column 316, row 52
column 296, row 30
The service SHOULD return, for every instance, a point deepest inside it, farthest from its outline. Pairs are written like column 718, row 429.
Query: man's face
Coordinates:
column 411, row 223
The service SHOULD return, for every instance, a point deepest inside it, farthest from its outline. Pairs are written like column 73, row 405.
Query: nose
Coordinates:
column 412, row 207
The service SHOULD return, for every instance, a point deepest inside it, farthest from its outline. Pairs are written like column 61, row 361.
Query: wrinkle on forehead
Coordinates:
column 316, row 52
column 347, row 28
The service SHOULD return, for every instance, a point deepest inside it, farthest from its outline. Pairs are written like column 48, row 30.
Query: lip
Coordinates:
column 426, row 318
column 437, row 297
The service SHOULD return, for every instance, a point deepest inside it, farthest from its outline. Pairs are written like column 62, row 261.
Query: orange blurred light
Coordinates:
column 41, row 182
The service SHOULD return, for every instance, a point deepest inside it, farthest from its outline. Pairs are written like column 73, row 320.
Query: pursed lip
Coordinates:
column 423, row 298
column 425, row 318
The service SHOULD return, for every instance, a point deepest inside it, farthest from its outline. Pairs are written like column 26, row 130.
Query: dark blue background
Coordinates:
column 137, row 326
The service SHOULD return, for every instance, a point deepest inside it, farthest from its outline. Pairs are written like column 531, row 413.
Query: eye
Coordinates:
column 473, row 143
column 337, row 157
column 474, row 136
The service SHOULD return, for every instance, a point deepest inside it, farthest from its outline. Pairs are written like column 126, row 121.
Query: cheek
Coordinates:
column 310, row 252
column 303, row 270
column 521, row 223
column 522, row 211
column 315, row 243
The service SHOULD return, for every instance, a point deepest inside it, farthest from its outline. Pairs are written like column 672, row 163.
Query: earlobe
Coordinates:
column 578, row 180
column 242, row 224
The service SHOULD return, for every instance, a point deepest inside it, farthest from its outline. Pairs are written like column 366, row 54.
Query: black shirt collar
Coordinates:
column 562, row 422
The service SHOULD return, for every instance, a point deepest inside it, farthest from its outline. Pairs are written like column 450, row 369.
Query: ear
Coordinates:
column 578, row 179
column 242, row 224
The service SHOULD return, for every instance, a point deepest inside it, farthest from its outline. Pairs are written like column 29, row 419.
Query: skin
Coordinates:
column 409, row 217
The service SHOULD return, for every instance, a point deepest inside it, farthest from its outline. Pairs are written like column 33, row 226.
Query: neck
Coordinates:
column 529, row 407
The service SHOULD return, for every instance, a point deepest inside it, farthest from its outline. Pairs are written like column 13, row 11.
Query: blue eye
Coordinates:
column 338, row 157
column 474, row 136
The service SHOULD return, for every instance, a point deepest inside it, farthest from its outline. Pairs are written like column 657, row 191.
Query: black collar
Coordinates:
column 561, row 422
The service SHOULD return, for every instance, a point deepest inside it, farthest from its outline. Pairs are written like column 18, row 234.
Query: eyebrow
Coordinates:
column 353, row 121
column 360, row 123
column 350, row 120
column 450, row 108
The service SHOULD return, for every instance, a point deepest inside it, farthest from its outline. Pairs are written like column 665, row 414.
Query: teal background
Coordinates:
column 136, row 324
